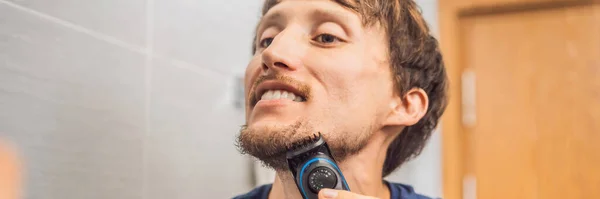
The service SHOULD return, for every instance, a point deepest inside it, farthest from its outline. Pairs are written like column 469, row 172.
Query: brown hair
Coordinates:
column 416, row 62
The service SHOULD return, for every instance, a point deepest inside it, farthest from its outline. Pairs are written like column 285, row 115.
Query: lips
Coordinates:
column 274, row 90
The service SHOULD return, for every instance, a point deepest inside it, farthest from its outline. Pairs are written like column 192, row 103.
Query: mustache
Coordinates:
column 302, row 88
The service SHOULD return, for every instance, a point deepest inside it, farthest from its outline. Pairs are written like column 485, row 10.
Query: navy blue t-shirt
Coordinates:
column 397, row 191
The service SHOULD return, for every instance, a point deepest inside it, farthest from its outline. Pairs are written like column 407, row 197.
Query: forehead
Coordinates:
column 275, row 10
column 344, row 3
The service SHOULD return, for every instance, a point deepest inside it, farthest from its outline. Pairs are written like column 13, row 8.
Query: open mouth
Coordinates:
column 281, row 94
column 277, row 91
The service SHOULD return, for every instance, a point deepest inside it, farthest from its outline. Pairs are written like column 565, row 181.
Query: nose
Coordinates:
column 283, row 54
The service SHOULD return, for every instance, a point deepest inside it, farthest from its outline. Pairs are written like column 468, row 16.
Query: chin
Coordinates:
column 270, row 123
column 273, row 121
column 281, row 132
column 268, row 140
column 274, row 128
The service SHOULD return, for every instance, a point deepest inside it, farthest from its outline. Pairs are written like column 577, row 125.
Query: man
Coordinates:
column 365, row 73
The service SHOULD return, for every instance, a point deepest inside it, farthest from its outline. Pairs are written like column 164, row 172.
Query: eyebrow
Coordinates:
column 329, row 15
column 335, row 16
column 268, row 20
column 321, row 15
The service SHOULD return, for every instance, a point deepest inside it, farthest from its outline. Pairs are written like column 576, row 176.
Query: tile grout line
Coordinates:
column 147, row 99
column 112, row 40
column 75, row 27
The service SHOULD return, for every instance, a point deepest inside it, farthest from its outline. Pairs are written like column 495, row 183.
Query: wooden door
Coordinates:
column 530, row 112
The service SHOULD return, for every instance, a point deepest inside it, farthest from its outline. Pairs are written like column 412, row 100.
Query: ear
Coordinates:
column 407, row 110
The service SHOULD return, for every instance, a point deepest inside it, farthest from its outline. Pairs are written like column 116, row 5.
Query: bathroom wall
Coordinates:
column 125, row 98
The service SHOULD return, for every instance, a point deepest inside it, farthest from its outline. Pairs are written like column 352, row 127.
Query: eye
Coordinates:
column 327, row 39
column 266, row 42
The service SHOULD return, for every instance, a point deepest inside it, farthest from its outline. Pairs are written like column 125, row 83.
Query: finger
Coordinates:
column 340, row 194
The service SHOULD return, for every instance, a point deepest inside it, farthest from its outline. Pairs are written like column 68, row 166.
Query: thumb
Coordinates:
column 341, row 194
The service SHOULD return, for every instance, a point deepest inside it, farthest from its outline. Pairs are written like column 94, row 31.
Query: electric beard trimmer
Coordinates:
column 314, row 168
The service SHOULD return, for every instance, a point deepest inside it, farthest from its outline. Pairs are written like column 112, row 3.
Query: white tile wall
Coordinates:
column 122, row 19
column 73, row 105
column 209, row 34
column 193, row 124
column 125, row 98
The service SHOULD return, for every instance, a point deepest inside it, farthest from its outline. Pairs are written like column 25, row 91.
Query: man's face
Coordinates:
column 316, row 69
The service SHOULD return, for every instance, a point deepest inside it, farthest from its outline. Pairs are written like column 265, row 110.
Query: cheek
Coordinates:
column 353, row 81
column 249, row 79
column 339, row 71
column 356, row 89
column 251, row 73
column 347, row 86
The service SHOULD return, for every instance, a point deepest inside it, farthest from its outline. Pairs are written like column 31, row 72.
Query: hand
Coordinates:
column 340, row 194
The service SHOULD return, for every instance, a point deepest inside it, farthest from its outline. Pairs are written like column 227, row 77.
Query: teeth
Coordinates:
column 291, row 96
column 280, row 94
column 267, row 96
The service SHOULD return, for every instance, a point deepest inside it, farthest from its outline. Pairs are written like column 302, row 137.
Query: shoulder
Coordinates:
column 402, row 191
column 261, row 192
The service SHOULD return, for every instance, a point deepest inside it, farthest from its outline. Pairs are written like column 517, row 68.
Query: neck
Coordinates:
column 363, row 172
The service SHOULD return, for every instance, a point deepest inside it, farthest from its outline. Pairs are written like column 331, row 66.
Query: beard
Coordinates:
column 269, row 144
